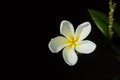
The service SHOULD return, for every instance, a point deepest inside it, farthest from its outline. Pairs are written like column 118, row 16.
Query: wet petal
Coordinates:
column 86, row 47
column 66, row 29
column 69, row 56
column 83, row 30
column 57, row 43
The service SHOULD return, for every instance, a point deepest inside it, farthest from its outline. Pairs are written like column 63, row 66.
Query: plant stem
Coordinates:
column 111, row 18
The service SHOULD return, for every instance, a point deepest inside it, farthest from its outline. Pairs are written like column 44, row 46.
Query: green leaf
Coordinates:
column 100, row 20
column 117, row 77
column 116, row 49
column 116, row 28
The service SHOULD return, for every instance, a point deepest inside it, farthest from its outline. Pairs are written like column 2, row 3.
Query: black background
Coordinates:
column 42, row 22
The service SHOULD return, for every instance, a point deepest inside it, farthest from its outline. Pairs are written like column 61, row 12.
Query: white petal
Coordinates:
column 86, row 47
column 66, row 29
column 83, row 30
column 69, row 56
column 57, row 43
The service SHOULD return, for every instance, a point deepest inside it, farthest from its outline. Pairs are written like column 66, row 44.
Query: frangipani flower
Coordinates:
column 72, row 42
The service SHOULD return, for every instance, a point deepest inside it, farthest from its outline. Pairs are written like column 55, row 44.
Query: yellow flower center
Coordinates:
column 73, row 42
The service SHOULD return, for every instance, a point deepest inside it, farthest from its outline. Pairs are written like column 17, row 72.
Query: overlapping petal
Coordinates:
column 57, row 43
column 86, row 47
column 83, row 30
column 66, row 29
column 69, row 56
